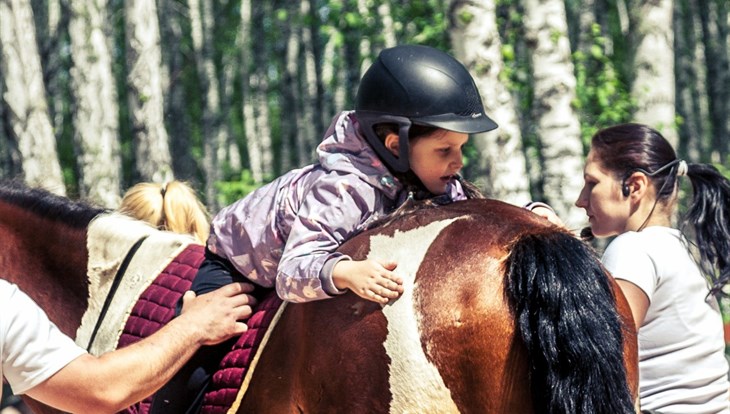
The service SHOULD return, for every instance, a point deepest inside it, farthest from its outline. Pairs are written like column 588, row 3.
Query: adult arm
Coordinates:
column 119, row 378
column 638, row 301
column 628, row 261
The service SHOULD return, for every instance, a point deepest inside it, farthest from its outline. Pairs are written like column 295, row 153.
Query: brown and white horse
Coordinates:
column 503, row 313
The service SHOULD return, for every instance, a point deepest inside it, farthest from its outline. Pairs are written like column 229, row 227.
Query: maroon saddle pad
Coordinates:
column 156, row 307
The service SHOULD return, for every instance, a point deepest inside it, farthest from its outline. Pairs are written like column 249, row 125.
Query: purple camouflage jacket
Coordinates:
column 285, row 233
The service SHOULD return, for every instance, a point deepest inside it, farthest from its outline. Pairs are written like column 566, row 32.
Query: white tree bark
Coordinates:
column 296, row 119
column 311, row 133
column 501, row 166
column 144, row 79
column 386, row 17
column 653, row 87
column 96, row 120
column 201, row 22
column 556, row 122
column 24, row 97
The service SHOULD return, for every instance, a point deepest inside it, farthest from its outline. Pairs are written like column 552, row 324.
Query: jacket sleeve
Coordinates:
column 331, row 212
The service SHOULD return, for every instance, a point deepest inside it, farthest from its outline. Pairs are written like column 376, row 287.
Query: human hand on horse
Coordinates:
column 370, row 279
column 545, row 211
column 218, row 315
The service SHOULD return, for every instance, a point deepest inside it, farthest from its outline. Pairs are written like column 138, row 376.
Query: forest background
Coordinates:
column 227, row 94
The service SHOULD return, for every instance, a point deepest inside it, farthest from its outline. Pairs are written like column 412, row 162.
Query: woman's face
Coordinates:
column 437, row 158
column 607, row 208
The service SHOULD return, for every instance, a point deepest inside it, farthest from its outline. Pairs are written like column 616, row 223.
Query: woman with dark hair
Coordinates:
column 631, row 183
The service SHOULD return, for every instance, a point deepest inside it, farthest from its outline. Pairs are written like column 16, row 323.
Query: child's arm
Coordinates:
column 369, row 279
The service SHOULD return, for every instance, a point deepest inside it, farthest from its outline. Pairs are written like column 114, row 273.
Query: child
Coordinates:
column 630, row 191
column 415, row 108
column 172, row 206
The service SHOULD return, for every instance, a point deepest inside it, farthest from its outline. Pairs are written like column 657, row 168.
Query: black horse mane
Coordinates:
column 76, row 214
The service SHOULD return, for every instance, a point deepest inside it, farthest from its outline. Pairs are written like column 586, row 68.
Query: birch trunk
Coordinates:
column 653, row 87
column 556, row 122
column 333, row 77
column 96, row 122
column 201, row 22
column 500, row 170
column 260, row 89
column 24, row 98
column 689, row 64
column 714, row 32
column 178, row 122
column 153, row 161
column 293, row 102
column 312, row 125
column 386, row 17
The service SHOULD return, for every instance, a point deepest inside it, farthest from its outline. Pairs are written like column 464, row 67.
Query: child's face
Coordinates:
column 436, row 158
column 607, row 209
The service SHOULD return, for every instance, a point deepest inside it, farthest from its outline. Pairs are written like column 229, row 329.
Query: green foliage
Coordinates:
column 230, row 191
column 602, row 98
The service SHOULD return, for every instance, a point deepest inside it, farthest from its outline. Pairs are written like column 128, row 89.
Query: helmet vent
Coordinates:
column 473, row 103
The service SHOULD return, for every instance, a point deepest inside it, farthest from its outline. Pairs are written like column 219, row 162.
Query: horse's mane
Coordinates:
column 76, row 214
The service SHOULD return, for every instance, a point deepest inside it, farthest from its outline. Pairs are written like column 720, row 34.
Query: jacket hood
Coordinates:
column 344, row 149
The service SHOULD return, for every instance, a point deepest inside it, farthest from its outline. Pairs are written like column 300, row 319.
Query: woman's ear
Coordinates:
column 638, row 184
column 392, row 143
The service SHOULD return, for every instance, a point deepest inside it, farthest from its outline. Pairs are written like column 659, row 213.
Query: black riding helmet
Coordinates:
column 413, row 84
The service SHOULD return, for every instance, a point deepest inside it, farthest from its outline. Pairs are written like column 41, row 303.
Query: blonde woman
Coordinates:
column 172, row 206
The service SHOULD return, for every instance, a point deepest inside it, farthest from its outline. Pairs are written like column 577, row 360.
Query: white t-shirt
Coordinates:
column 682, row 363
column 31, row 346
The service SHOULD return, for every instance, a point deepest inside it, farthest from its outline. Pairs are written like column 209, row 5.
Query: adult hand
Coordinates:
column 218, row 315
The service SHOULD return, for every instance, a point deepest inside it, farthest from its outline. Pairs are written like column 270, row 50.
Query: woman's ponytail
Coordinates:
column 709, row 216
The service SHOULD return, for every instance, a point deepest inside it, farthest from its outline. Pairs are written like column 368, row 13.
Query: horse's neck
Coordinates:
column 47, row 260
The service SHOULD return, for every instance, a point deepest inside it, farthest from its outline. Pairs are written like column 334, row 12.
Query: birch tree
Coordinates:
column 255, row 88
column 500, row 168
column 144, row 77
column 96, row 122
column 24, row 99
column 653, row 87
column 178, row 124
column 690, row 68
column 714, row 23
column 555, row 121
column 202, row 29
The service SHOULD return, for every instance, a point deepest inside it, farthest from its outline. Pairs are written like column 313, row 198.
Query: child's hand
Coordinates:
column 369, row 279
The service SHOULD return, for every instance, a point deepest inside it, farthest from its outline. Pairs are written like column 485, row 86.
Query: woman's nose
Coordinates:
column 581, row 200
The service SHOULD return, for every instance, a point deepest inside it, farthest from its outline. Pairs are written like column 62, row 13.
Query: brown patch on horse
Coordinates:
column 467, row 326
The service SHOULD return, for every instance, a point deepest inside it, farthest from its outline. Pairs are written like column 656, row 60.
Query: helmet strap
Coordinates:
column 397, row 164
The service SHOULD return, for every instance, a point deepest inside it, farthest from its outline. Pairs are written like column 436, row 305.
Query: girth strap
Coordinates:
column 113, row 289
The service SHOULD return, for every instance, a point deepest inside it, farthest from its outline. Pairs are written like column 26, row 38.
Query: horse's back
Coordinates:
column 446, row 345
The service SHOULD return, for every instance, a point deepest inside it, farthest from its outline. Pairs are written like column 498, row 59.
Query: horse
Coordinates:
column 502, row 312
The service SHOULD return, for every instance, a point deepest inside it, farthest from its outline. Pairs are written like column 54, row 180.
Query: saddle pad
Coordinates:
column 109, row 239
column 229, row 383
column 156, row 307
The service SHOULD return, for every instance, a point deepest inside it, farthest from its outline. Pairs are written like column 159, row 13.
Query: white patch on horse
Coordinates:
column 415, row 383
column 109, row 238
